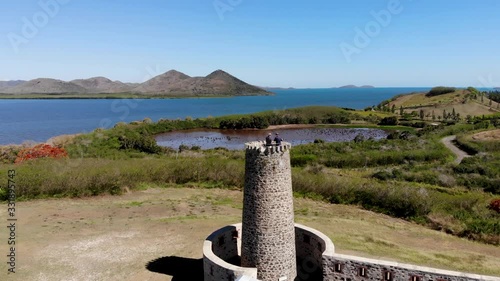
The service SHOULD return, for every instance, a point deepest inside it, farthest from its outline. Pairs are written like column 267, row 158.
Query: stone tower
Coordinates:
column 268, row 232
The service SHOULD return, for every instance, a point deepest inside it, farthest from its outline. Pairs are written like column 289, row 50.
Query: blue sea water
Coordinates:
column 39, row 120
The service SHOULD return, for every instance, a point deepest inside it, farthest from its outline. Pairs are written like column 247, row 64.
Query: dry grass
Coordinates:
column 493, row 135
column 112, row 238
column 62, row 140
column 448, row 102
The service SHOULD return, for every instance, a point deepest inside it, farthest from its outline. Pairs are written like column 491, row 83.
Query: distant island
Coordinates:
column 356, row 87
column 170, row 84
column 277, row 88
column 497, row 88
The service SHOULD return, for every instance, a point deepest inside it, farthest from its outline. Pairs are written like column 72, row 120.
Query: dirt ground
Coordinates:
column 157, row 234
column 487, row 136
column 460, row 154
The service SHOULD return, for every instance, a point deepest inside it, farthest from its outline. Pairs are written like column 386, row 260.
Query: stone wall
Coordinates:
column 311, row 246
column 316, row 260
column 220, row 247
column 268, row 238
column 350, row 268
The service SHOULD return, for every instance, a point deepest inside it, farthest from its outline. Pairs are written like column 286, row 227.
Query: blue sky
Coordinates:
column 264, row 42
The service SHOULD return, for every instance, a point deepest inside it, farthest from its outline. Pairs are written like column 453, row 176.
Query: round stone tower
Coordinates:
column 268, row 231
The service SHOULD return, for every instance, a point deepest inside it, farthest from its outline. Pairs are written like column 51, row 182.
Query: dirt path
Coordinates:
column 157, row 234
column 448, row 142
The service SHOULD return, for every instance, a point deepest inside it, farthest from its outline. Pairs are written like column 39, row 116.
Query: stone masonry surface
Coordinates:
column 268, row 232
column 349, row 268
column 218, row 248
column 273, row 248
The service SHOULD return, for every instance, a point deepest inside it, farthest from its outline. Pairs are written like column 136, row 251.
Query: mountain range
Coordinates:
column 356, row 87
column 173, row 83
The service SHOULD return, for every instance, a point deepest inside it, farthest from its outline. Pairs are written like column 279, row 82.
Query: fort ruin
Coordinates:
column 269, row 246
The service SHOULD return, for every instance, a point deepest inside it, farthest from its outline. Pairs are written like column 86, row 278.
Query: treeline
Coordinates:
column 308, row 115
column 494, row 95
column 437, row 91
column 138, row 136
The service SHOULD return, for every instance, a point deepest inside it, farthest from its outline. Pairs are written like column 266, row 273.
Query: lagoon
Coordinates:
column 235, row 139
column 39, row 120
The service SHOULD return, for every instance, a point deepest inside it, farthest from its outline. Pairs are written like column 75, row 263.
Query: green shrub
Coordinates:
column 389, row 121
column 302, row 160
column 437, row 91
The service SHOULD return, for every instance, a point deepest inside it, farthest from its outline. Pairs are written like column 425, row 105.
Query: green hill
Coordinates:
column 463, row 101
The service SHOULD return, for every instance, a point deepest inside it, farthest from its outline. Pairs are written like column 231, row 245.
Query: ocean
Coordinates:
column 39, row 120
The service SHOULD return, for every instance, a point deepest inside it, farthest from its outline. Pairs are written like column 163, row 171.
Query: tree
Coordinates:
column 433, row 116
column 440, row 91
column 444, row 114
column 401, row 111
column 391, row 121
column 393, row 108
column 422, row 115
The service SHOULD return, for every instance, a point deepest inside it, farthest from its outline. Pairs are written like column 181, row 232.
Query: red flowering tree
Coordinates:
column 495, row 205
column 40, row 151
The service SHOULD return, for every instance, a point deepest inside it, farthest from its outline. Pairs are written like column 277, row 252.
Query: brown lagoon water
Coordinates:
column 235, row 139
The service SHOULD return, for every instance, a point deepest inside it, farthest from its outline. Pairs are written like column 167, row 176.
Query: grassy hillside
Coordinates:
column 464, row 101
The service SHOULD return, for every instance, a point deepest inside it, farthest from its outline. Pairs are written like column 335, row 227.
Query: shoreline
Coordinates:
column 62, row 139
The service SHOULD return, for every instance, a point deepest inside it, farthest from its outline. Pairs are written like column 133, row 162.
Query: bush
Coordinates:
column 389, row 121
column 383, row 175
column 40, row 151
column 495, row 205
column 437, row 91
column 302, row 160
column 359, row 138
column 183, row 147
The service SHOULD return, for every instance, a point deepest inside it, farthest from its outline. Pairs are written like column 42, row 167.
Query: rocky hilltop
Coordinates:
column 45, row 86
column 4, row 85
column 171, row 83
column 216, row 83
column 102, row 85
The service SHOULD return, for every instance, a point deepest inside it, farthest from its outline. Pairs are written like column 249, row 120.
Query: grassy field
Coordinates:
column 460, row 101
column 114, row 237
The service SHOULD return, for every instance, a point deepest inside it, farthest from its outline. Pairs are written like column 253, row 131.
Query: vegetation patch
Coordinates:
column 437, row 91
column 410, row 175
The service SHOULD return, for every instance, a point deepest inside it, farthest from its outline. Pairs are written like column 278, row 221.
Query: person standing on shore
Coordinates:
column 278, row 139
